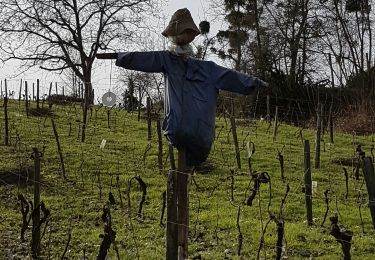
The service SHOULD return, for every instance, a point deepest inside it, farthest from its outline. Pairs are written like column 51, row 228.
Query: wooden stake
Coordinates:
column 182, row 205
column 59, row 149
column 331, row 131
column 35, row 239
column 6, row 120
column 368, row 171
column 268, row 116
column 308, row 182
column 276, row 124
column 172, row 225
column 20, row 93
column 149, row 134
column 37, row 93
column 160, row 146
column 318, row 135
column 234, row 134
column 26, row 99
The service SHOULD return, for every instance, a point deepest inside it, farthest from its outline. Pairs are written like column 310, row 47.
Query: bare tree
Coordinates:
column 66, row 34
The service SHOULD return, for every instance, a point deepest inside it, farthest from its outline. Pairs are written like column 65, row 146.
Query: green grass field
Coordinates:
column 76, row 203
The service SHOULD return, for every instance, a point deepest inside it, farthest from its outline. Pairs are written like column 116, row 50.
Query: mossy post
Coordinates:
column 368, row 171
column 308, row 182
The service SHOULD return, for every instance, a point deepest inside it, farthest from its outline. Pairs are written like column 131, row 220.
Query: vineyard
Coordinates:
column 106, row 196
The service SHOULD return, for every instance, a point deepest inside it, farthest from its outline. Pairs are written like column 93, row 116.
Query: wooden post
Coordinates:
column 35, row 239
column 331, row 68
column 268, row 116
column 276, row 124
column 108, row 118
column 149, row 136
column 26, row 99
column 368, row 171
column 308, row 182
column 32, row 98
column 331, row 133
column 59, row 149
column 37, row 93
column 6, row 120
column 318, row 135
column 182, row 205
column 172, row 225
column 20, row 93
column 49, row 96
column 139, row 102
column 50, row 89
column 56, row 88
column 160, row 146
column 234, row 134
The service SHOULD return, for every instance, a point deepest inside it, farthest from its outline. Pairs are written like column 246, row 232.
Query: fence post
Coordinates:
column 276, row 123
column 318, row 135
column 234, row 133
column 35, row 239
column 6, row 120
column 368, row 172
column 148, row 118
column 308, row 182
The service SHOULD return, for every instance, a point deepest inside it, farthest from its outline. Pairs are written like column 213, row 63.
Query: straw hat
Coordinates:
column 181, row 21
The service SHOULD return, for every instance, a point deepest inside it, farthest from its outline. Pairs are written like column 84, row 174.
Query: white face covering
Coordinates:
column 184, row 50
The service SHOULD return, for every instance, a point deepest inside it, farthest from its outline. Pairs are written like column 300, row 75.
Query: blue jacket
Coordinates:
column 191, row 91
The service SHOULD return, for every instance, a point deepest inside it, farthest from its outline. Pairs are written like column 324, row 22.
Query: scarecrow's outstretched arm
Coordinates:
column 107, row 56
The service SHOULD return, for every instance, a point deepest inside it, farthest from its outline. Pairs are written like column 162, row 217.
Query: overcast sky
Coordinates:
column 199, row 9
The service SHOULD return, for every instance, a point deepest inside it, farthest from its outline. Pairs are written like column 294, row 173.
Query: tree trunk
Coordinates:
column 88, row 100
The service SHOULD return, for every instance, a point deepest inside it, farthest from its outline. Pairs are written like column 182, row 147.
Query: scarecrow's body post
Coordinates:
column 182, row 205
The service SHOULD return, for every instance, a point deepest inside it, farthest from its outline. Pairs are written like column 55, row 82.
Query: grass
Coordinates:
column 76, row 204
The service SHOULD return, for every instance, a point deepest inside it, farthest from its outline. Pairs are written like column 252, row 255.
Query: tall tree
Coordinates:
column 66, row 34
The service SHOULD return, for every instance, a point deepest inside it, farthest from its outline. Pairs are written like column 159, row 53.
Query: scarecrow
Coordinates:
column 192, row 87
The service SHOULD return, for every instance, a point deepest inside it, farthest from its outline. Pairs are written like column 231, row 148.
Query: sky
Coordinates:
column 103, row 77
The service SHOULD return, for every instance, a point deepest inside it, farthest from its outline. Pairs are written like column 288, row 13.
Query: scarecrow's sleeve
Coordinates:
column 152, row 61
column 234, row 81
